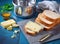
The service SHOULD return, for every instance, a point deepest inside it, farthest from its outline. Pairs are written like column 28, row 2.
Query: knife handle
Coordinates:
column 45, row 37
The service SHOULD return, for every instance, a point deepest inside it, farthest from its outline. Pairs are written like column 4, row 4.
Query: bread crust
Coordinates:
column 50, row 19
column 44, row 16
column 30, row 33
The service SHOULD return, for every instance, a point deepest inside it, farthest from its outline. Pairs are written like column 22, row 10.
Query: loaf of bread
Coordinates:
column 48, row 19
column 33, row 28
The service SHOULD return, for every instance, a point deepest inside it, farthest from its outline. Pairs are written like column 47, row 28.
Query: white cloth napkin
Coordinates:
column 51, row 5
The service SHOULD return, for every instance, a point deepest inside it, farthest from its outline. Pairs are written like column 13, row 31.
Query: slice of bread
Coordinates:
column 33, row 27
column 44, row 20
column 51, row 16
column 47, row 18
column 30, row 32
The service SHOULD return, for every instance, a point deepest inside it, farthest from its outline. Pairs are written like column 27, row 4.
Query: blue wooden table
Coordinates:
column 5, row 35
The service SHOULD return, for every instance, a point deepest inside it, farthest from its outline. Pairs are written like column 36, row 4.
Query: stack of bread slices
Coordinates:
column 48, row 19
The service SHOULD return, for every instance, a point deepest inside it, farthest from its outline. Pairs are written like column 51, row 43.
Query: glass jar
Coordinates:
column 6, row 15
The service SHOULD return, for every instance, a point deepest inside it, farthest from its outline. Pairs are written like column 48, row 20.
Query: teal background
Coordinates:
column 20, row 39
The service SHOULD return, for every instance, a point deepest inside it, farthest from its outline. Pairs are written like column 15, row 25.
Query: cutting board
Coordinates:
column 33, row 39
